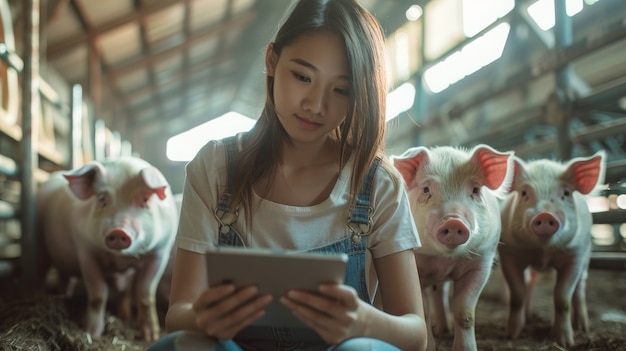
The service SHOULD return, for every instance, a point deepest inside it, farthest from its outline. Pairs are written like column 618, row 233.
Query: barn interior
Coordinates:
column 86, row 80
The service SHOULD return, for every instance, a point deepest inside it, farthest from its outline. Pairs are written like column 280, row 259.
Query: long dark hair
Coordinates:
column 362, row 132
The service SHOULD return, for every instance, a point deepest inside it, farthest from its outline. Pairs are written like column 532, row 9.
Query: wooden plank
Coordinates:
column 608, row 260
column 7, row 210
column 9, row 251
column 8, row 166
column 609, row 217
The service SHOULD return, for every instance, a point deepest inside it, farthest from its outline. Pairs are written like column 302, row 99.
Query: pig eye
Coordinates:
column 144, row 201
column 475, row 194
column 566, row 194
column 524, row 193
column 426, row 190
column 102, row 199
column 142, row 198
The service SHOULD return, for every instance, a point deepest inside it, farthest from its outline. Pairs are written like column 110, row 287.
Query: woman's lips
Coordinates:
column 306, row 124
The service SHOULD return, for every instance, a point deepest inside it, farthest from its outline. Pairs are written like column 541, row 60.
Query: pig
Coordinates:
column 453, row 193
column 112, row 224
column 546, row 226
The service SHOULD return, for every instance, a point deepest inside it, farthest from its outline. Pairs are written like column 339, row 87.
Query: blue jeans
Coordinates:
column 194, row 341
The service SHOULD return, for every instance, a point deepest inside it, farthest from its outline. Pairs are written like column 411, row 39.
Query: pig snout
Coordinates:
column 544, row 224
column 452, row 233
column 117, row 239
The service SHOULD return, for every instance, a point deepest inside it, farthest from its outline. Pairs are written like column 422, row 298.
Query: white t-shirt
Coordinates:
column 290, row 227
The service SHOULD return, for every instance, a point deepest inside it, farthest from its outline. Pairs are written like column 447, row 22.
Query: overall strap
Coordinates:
column 231, row 151
column 222, row 213
column 360, row 216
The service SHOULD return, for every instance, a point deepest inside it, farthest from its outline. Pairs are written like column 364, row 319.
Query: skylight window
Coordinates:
column 469, row 59
column 400, row 100
column 543, row 12
column 479, row 14
column 184, row 146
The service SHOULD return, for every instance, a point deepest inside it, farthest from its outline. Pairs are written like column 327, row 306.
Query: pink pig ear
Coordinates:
column 410, row 161
column 154, row 180
column 81, row 180
column 519, row 172
column 587, row 173
column 497, row 167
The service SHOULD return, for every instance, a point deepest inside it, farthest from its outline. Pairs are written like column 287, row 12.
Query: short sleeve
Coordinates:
column 393, row 227
column 205, row 177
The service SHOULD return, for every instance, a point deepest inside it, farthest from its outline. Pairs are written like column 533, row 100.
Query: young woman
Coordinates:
column 310, row 176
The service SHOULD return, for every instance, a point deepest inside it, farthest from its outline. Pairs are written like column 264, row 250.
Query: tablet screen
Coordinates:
column 275, row 272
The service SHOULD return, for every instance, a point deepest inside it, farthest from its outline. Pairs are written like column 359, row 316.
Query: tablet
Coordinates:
column 275, row 272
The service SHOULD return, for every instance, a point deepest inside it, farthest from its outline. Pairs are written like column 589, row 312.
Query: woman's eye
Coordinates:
column 345, row 92
column 301, row 77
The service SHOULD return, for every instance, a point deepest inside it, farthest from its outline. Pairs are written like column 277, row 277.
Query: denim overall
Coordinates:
column 355, row 246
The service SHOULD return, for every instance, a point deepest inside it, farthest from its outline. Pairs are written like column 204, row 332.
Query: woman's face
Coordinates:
column 311, row 85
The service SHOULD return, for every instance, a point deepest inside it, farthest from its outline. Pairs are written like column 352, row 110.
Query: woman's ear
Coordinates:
column 271, row 58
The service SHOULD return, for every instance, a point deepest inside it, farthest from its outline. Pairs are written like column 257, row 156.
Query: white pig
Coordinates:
column 546, row 224
column 105, row 222
column 454, row 201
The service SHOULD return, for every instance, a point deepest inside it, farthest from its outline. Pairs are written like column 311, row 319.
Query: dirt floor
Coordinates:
column 46, row 322
column 606, row 290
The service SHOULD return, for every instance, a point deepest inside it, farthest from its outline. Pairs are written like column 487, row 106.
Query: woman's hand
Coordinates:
column 222, row 311
column 336, row 313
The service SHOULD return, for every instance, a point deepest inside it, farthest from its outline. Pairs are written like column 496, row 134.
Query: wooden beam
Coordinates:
column 54, row 8
column 191, row 84
column 57, row 49
column 184, row 74
column 202, row 35
column 614, row 32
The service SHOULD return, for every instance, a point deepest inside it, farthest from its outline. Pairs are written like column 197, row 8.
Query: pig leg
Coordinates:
column 122, row 281
column 147, row 280
column 439, row 299
column 568, row 276
column 531, row 283
column 514, row 275
column 66, row 284
column 125, row 310
column 427, row 299
column 97, row 292
column 467, row 290
column 580, row 315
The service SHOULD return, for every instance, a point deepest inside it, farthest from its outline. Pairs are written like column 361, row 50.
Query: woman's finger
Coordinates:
column 212, row 296
column 231, row 309
column 343, row 293
column 225, row 331
column 225, row 303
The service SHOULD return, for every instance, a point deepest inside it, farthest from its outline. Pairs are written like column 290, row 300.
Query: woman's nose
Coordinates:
column 315, row 101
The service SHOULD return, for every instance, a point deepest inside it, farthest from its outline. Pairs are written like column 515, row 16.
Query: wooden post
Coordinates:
column 563, row 34
column 29, row 147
